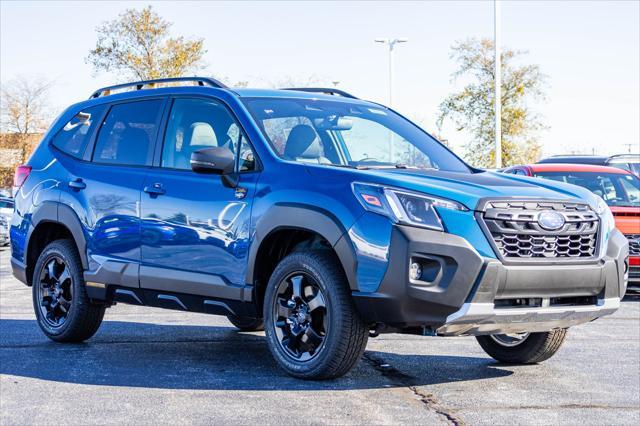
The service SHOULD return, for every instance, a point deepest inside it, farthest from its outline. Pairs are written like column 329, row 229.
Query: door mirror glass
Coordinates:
column 214, row 160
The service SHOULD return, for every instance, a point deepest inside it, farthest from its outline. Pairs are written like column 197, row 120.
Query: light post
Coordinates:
column 391, row 43
column 497, row 83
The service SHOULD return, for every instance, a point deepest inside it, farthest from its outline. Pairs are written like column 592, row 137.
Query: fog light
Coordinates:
column 415, row 271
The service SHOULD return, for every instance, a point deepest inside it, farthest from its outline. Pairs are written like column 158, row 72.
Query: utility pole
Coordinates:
column 498, row 82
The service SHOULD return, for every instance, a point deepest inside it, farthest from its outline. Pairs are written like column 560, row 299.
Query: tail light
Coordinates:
column 21, row 175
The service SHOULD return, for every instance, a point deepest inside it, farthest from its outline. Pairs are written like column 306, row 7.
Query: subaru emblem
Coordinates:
column 550, row 220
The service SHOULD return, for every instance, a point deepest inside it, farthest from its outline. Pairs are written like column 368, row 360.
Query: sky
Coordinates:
column 590, row 52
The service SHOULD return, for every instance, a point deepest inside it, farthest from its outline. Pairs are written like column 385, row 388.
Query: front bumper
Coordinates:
column 484, row 318
column 465, row 293
column 634, row 273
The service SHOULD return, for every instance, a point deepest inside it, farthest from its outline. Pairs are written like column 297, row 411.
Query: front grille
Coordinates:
column 517, row 234
column 634, row 244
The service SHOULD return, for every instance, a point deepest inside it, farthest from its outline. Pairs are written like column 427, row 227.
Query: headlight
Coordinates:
column 606, row 217
column 607, row 223
column 402, row 206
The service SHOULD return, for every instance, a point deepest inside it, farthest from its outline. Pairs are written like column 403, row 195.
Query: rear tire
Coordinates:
column 312, row 327
column 534, row 348
column 63, row 310
column 246, row 323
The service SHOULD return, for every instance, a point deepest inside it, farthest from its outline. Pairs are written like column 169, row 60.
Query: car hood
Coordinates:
column 469, row 188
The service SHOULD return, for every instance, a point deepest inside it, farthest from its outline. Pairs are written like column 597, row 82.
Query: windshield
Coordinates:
column 621, row 190
column 345, row 134
column 630, row 166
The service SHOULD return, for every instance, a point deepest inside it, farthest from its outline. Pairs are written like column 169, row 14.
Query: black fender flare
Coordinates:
column 308, row 218
column 54, row 212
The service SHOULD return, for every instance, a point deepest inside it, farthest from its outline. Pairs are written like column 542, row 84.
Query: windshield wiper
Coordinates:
column 393, row 166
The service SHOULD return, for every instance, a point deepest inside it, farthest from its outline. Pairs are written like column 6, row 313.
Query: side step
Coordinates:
column 170, row 300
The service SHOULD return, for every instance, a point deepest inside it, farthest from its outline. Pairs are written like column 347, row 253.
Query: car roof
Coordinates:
column 572, row 167
column 585, row 159
column 591, row 159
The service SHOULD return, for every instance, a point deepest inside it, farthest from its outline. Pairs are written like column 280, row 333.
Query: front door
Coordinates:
column 195, row 229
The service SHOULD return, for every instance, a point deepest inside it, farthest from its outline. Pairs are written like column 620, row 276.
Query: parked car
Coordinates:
column 6, row 211
column 619, row 188
column 322, row 218
column 4, row 231
column 629, row 162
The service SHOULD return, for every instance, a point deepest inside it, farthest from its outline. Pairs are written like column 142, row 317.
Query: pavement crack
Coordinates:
column 432, row 403
column 400, row 379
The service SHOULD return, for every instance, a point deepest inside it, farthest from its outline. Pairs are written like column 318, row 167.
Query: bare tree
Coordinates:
column 25, row 105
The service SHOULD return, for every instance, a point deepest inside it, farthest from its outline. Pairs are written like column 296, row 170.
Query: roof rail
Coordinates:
column 325, row 90
column 575, row 155
column 628, row 154
column 139, row 85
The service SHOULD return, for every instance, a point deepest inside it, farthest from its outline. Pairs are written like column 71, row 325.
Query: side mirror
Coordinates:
column 215, row 160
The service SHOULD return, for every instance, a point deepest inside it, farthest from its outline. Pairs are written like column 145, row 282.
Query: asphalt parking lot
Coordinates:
column 152, row 366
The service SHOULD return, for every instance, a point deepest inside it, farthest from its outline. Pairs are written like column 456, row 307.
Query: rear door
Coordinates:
column 195, row 229
column 105, row 190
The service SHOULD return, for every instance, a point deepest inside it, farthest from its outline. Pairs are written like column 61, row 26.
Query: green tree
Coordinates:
column 138, row 43
column 471, row 109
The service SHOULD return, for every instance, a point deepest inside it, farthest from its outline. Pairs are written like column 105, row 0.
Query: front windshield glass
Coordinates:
column 345, row 134
column 619, row 190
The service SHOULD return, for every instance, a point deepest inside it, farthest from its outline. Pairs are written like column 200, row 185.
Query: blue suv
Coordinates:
column 318, row 217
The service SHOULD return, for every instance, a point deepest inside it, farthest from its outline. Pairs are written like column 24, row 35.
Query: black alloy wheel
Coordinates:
column 301, row 316
column 55, row 292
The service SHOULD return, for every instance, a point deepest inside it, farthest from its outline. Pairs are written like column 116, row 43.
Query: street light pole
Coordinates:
column 391, row 43
column 497, row 82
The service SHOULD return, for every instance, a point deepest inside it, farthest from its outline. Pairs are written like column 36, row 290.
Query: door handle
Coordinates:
column 155, row 190
column 77, row 184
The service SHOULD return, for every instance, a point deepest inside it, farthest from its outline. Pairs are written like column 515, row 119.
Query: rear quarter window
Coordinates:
column 72, row 139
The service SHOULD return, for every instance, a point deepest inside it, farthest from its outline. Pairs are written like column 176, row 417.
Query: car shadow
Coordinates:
column 201, row 357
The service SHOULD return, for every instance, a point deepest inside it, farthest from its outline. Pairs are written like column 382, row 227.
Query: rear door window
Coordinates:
column 74, row 136
column 128, row 133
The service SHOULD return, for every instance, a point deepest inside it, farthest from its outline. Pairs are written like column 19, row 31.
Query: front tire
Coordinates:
column 312, row 328
column 530, row 348
column 63, row 308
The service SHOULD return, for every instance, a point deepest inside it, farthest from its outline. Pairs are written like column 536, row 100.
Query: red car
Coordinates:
column 619, row 189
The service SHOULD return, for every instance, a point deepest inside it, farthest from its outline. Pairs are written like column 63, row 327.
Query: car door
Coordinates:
column 195, row 228
column 104, row 188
